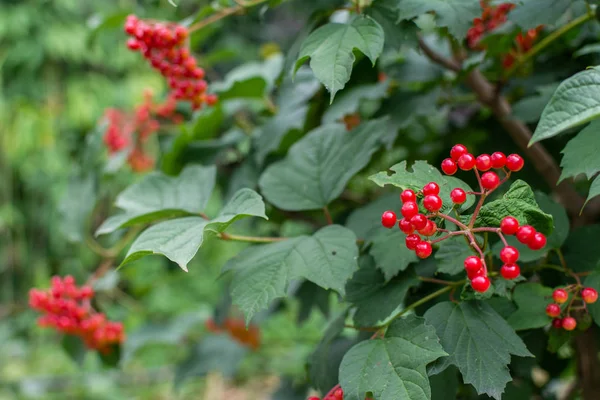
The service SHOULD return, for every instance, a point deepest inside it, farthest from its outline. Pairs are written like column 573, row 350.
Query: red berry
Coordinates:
column 423, row 249
column 408, row 195
column 432, row 202
column 431, row 188
column 405, row 226
column 510, row 271
column 480, row 284
column 509, row 255
column 553, row 310
column 429, row 229
column 557, row 323
column 212, row 99
column 525, row 233
column 474, row 274
column 514, row 162
column 509, row 225
column 409, row 209
column 412, row 241
column 498, row 160
column 449, row 166
column 466, row 162
column 134, row 44
column 589, row 295
column 339, row 394
column 419, row 221
column 537, row 241
column 490, row 180
column 569, row 323
column 388, row 219
column 473, row 264
column 457, row 151
column 560, row 296
column 458, row 196
column 483, row 162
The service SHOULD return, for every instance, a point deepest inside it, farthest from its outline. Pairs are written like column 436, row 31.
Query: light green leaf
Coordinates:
column 480, row 344
column 594, row 190
column 349, row 101
column 532, row 13
column 317, row 168
column 158, row 196
column 250, row 80
column 451, row 255
column 575, row 102
column 179, row 239
column 262, row 273
column 375, row 299
column 418, row 176
column 531, row 300
column 519, row 201
column 580, row 155
column 560, row 218
column 456, row 15
column 587, row 49
column 392, row 368
column 330, row 50
column 390, row 253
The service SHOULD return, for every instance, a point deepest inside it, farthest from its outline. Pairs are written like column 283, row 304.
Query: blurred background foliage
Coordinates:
column 63, row 62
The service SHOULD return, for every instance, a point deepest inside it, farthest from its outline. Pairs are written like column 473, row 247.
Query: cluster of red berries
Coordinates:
column 525, row 234
column 561, row 296
column 461, row 158
column 493, row 17
column 337, row 394
column 236, row 328
column 67, row 309
column 125, row 129
column 164, row 46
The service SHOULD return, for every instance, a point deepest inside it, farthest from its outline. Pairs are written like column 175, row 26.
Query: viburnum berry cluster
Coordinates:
column 132, row 130
column 67, row 308
column 493, row 17
column 570, row 296
column 418, row 222
column 236, row 328
column 164, row 46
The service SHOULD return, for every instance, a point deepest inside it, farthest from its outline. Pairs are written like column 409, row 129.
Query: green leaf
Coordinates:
column 262, row 273
column 530, row 108
column 593, row 281
column 75, row 348
column 580, row 155
column 325, row 361
column 531, row 300
column 420, row 174
column 392, row 368
column 390, row 253
column 385, row 12
column 250, row 80
column 575, row 102
column 456, row 15
column 587, row 49
column 365, row 221
column 348, row 101
column 594, row 190
column 158, row 196
column 581, row 248
column 479, row 342
column 179, row 239
column 532, row 13
column 518, row 201
column 375, row 299
column 451, row 255
column 559, row 215
column 445, row 384
column 291, row 114
column 317, row 168
column 330, row 49
column 215, row 353
column 76, row 207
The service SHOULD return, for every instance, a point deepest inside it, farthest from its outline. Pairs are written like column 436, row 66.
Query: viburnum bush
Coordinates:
column 385, row 171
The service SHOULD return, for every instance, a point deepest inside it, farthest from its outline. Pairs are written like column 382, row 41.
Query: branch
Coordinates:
column 249, row 239
column 540, row 158
column 225, row 12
